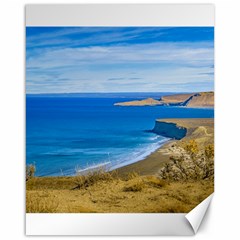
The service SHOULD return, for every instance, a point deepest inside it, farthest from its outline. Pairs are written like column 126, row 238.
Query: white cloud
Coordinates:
column 177, row 53
column 88, row 69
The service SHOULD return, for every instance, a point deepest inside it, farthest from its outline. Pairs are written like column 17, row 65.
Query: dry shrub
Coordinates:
column 41, row 203
column 134, row 185
column 154, row 181
column 209, row 151
column 92, row 177
column 30, row 171
column 191, row 147
column 191, row 165
column 132, row 175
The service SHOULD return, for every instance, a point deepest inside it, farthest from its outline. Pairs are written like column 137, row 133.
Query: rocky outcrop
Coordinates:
column 193, row 100
column 170, row 130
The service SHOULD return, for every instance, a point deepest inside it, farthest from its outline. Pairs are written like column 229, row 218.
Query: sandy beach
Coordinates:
column 199, row 129
column 151, row 164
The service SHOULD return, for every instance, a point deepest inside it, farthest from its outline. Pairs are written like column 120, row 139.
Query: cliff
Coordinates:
column 193, row 100
column 170, row 130
column 205, row 99
column 175, row 99
column 191, row 128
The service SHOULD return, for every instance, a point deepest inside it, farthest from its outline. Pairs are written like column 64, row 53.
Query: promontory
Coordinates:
column 191, row 100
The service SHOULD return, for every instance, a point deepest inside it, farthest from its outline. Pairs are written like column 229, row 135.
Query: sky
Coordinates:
column 119, row 59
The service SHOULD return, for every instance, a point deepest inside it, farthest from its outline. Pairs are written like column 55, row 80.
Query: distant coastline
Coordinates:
column 190, row 100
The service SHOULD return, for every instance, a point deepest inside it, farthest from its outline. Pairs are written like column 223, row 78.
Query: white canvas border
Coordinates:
column 88, row 224
column 120, row 15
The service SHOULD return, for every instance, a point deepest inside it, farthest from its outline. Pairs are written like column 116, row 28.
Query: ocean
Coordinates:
column 69, row 133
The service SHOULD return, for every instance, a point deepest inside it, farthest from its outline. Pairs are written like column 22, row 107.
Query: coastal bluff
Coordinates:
column 169, row 129
column 197, row 128
column 191, row 100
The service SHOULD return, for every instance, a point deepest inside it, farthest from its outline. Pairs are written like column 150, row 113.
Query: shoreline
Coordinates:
column 156, row 160
column 151, row 164
column 112, row 167
column 140, row 158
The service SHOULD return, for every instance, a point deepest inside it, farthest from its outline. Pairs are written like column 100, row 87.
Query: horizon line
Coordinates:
column 119, row 92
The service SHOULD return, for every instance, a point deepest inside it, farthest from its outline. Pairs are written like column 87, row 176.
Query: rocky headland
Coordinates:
column 192, row 100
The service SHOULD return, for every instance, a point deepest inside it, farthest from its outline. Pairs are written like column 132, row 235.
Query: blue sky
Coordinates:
column 119, row 59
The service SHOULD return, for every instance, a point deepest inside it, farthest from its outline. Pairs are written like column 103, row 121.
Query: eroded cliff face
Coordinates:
column 204, row 99
column 176, row 99
column 170, row 130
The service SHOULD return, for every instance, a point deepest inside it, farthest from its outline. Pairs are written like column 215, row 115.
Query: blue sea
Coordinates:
column 69, row 133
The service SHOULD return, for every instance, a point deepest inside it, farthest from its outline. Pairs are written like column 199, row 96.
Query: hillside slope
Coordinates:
column 144, row 102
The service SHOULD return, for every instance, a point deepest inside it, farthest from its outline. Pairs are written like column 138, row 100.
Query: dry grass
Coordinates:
column 138, row 183
column 111, row 193
column 134, row 185
column 41, row 202
column 155, row 181
column 92, row 177
column 132, row 175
